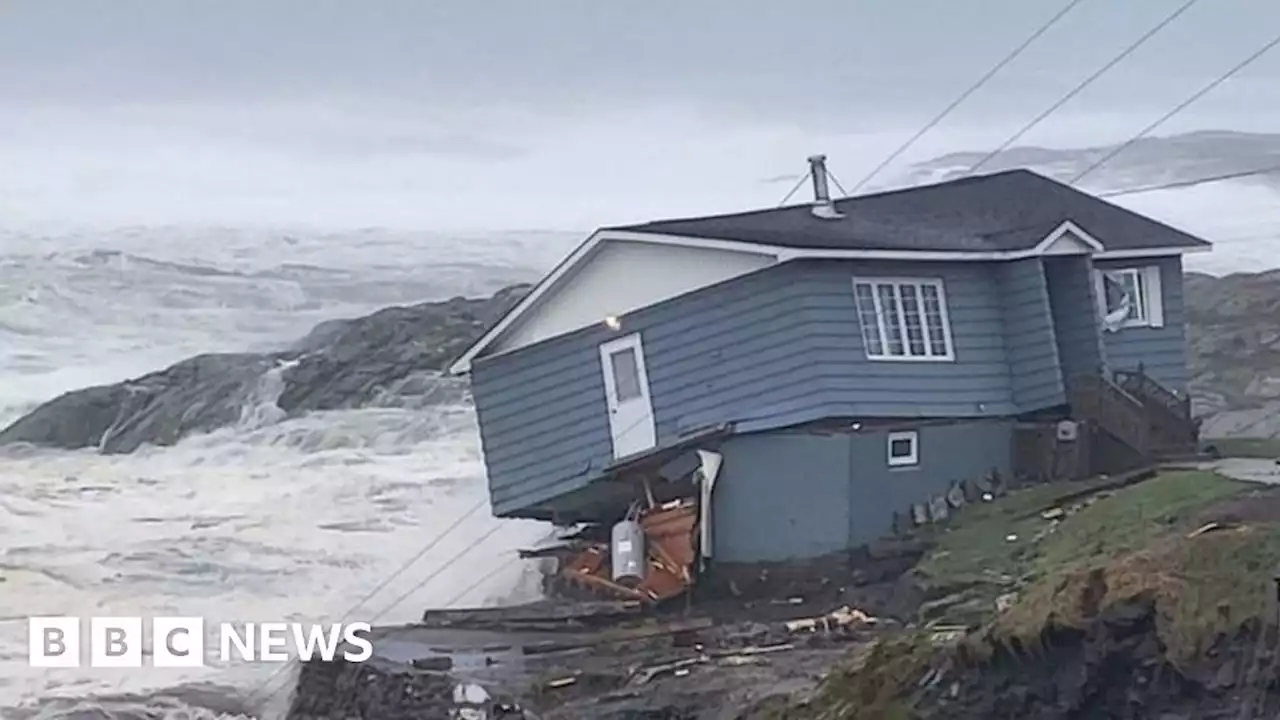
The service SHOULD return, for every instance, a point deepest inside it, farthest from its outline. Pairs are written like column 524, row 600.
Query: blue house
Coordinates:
column 835, row 362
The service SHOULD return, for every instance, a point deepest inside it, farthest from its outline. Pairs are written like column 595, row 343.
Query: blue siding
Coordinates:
column 782, row 495
column 779, row 346
column 1162, row 351
column 976, row 384
column 714, row 354
column 786, row 495
column 948, row 453
column 1034, row 367
column 1075, row 315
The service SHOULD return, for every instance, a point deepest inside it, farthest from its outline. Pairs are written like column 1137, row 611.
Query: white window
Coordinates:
column 904, row 448
column 903, row 319
column 1130, row 297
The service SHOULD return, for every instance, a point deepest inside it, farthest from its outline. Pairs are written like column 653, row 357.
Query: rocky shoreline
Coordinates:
column 391, row 356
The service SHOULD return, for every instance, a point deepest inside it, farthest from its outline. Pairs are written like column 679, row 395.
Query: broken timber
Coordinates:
column 534, row 615
column 670, row 552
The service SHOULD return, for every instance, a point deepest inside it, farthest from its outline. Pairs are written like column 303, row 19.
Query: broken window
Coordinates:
column 903, row 319
column 626, row 374
column 1130, row 297
column 904, row 448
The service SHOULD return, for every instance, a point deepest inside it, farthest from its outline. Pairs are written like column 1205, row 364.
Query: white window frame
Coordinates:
column 911, row 436
column 880, row 331
column 1149, row 304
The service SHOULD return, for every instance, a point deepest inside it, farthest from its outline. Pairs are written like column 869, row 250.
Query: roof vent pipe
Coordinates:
column 823, row 207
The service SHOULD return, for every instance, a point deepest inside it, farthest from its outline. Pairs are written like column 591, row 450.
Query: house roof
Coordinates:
column 1004, row 211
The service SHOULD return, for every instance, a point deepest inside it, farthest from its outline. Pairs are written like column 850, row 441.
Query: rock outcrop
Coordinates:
column 389, row 357
column 1233, row 342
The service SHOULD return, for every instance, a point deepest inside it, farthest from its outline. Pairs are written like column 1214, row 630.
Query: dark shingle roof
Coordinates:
column 1011, row 210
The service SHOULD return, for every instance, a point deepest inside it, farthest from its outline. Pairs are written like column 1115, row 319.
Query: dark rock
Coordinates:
column 388, row 357
column 1115, row 667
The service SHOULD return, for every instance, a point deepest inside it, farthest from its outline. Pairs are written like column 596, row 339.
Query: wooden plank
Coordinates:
column 607, row 637
column 541, row 612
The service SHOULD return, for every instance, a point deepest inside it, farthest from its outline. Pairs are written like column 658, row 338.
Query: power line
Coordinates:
column 438, row 571
column 405, row 595
column 1086, row 83
column 965, row 95
column 255, row 694
column 1180, row 107
column 481, row 580
column 836, row 181
column 1187, row 183
column 794, row 188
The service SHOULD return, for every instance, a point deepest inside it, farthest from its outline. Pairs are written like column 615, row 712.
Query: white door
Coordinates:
column 626, row 390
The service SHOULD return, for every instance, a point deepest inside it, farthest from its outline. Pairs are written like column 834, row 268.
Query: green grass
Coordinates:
column 1246, row 447
column 1110, row 547
column 1133, row 540
column 978, row 548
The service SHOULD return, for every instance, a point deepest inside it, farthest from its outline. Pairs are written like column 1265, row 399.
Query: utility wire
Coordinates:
column 794, row 188
column 405, row 595
column 1185, row 183
column 986, row 77
column 836, row 181
column 1086, row 83
column 1180, row 107
column 481, row 580
column 256, row 693
column 262, row 698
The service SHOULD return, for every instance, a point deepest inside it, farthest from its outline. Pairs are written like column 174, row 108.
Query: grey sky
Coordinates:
column 399, row 112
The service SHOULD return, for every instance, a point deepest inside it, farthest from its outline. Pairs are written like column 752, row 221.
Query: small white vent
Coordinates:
column 1068, row 431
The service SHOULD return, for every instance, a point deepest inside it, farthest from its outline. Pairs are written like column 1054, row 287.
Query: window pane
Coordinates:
column 866, row 301
column 626, row 374
column 1114, row 290
column 889, row 314
column 1139, row 310
column 934, row 324
column 900, row 448
column 915, row 326
column 1126, row 284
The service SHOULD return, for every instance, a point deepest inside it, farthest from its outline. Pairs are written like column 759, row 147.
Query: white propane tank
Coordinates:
column 626, row 553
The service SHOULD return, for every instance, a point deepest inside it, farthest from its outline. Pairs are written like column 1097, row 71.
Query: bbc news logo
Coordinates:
column 180, row 642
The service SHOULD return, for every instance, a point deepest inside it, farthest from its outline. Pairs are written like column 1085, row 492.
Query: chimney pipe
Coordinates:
column 823, row 207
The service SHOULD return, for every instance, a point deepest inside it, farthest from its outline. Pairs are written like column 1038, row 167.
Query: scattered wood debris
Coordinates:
column 669, row 533
column 1053, row 513
column 1208, row 528
column 839, row 618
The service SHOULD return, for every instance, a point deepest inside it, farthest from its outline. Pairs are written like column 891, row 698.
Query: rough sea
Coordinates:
column 281, row 519
column 271, row 520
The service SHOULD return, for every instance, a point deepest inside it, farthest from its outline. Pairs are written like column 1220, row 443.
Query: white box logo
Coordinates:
column 115, row 642
column 53, row 641
column 177, row 642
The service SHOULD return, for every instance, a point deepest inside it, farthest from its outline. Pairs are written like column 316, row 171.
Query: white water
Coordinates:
column 269, row 520
column 295, row 519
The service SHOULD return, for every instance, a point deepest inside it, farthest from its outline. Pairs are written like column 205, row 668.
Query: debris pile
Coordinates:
column 650, row 556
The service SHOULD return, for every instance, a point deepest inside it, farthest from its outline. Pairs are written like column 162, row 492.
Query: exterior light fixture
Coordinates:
column 612, row 322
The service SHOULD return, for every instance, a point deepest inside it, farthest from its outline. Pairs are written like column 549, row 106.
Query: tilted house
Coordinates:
column 843, row 359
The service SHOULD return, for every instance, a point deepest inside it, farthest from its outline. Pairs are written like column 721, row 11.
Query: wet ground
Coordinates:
column 1266, row 471
column 668, row 665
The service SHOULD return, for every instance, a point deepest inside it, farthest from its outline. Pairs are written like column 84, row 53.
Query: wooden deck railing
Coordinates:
column 1098, row 400
column 1169, row 414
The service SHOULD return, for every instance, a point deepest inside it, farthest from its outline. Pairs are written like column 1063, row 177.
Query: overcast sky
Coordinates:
column 562, row 114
